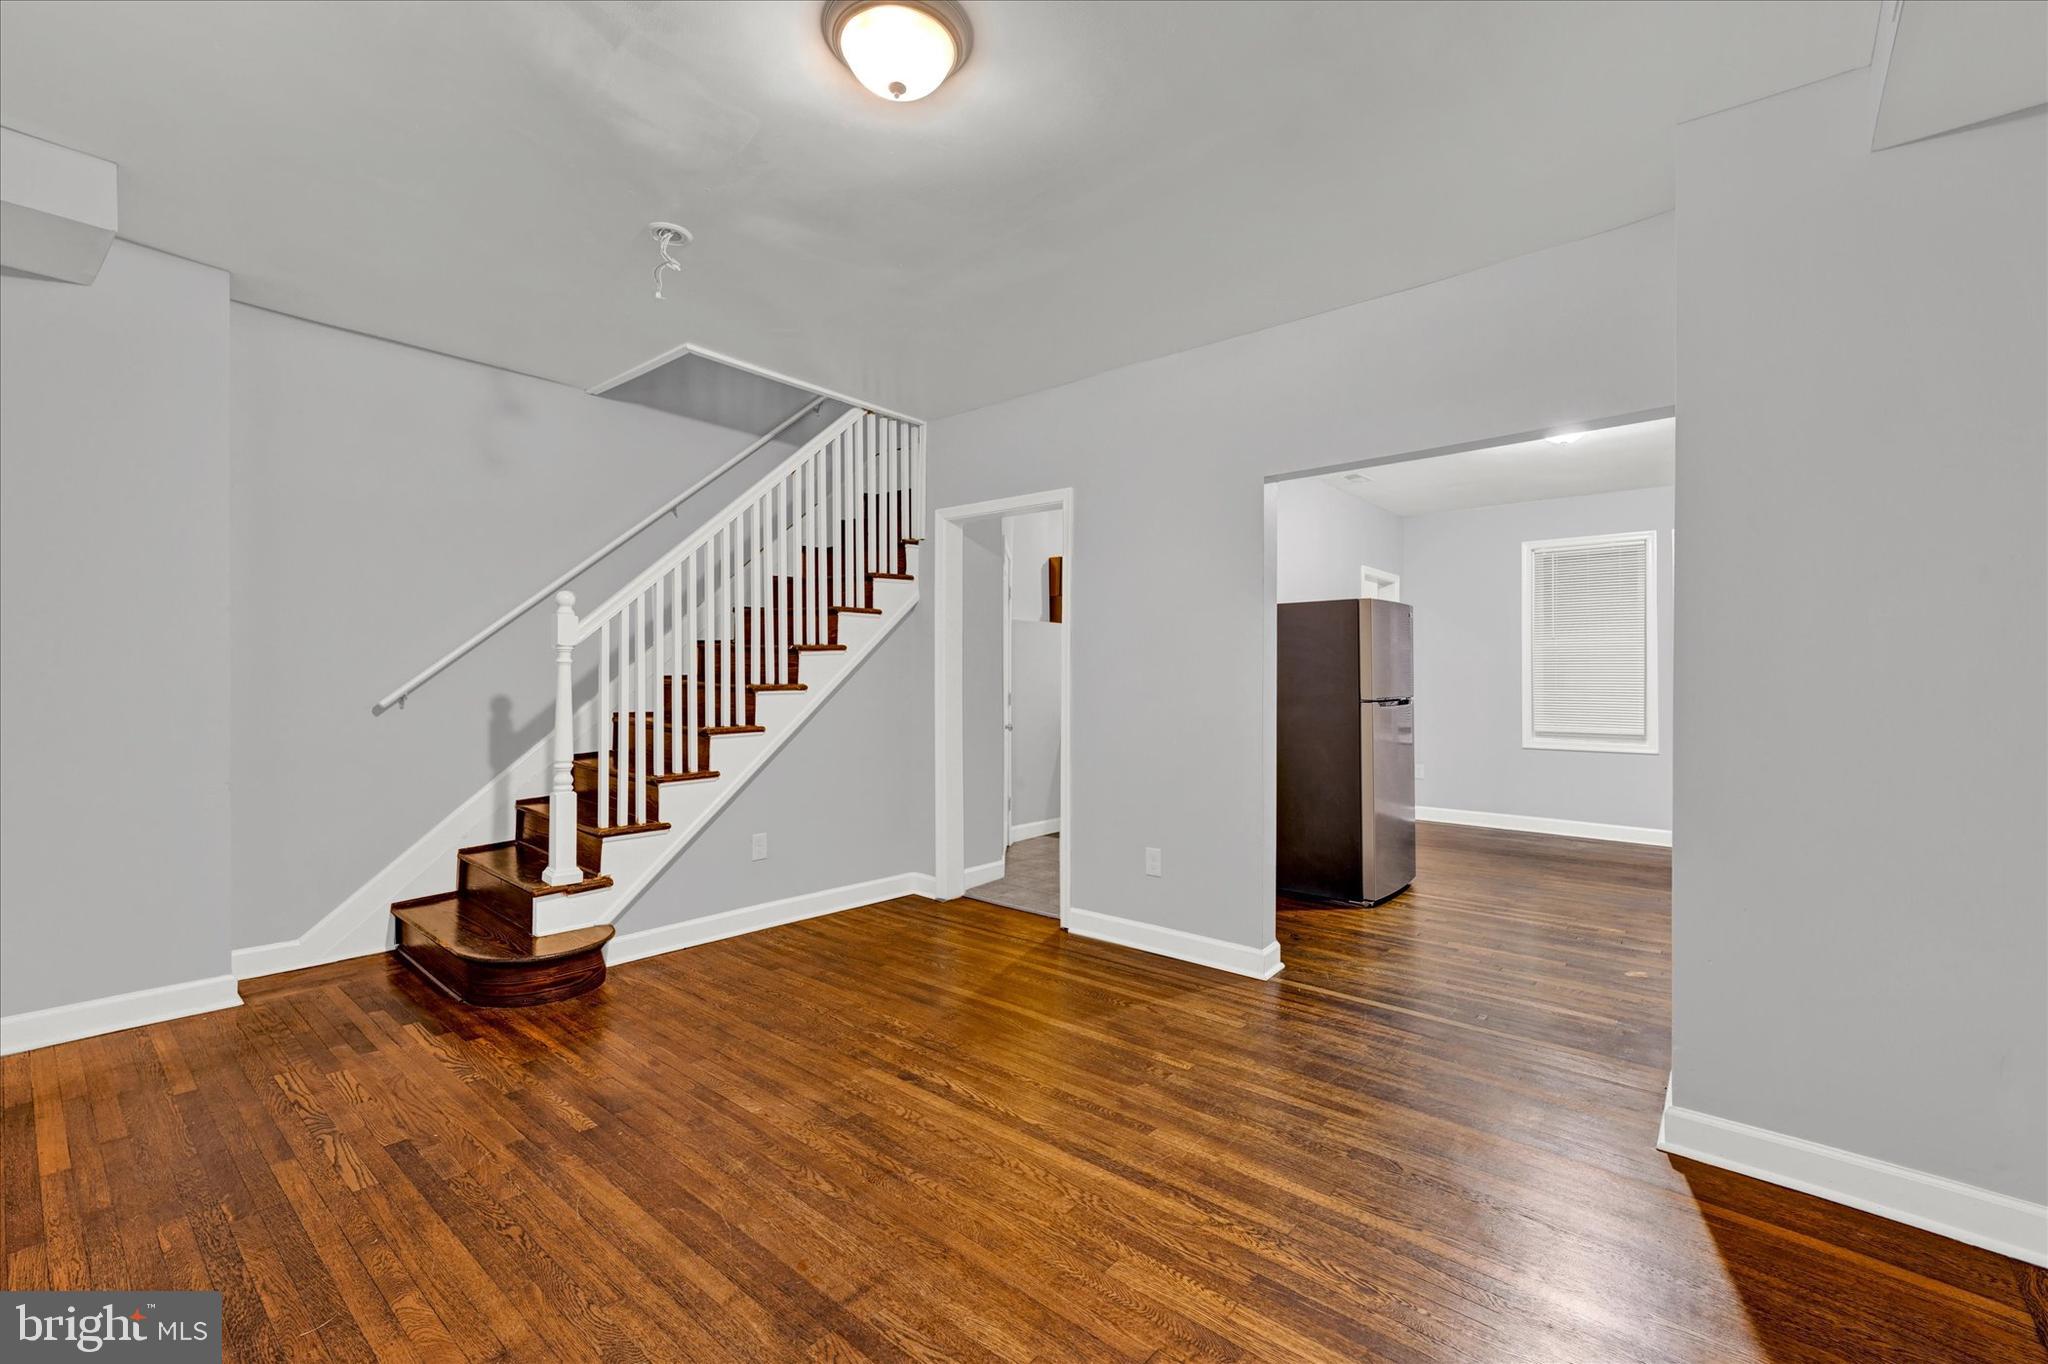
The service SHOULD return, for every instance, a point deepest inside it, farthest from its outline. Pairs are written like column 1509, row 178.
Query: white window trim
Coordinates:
column 1653, row 693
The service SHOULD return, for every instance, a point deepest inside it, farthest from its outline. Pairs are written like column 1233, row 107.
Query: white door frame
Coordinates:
column 949, row 779
column 1009, row 692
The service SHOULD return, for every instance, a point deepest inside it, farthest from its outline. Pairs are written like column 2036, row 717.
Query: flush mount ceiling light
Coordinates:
column 900, row 49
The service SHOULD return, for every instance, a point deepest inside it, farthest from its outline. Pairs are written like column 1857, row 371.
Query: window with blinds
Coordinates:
column 1589, row 643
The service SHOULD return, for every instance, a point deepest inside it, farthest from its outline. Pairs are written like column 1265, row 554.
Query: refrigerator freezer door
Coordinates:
column 1386, row 650
column 1388, row 762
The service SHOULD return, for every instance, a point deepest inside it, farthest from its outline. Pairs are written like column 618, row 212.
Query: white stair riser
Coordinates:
column 633, row 861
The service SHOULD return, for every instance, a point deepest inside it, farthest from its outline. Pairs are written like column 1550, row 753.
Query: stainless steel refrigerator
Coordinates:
column 1347, row 750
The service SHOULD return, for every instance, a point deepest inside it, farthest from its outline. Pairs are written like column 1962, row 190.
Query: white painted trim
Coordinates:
column 760, row 371
column 948, row 726
column 1037, row 828
column 1009, row 681
column 650, row 942
column 985, row 873
column 1652, row 695
column 1961, row 1212
column 1537, row 824
column 1260, row 963
column 92, row 1017
column 1385, row 586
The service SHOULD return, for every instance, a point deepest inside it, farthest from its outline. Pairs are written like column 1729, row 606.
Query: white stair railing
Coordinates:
column 681, row 647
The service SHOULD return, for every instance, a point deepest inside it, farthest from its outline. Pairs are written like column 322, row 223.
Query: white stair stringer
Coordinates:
column 633, row 861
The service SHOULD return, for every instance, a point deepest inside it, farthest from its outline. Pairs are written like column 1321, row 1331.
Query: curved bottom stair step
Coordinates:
column 467, row 956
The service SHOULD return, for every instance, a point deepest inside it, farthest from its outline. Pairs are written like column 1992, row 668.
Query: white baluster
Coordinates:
column 863, row 491
column 675, row 677
column 629, row 684
column 814, row 564
column 734, row 550
column 692, row 689
column 844, row 523
column 643, row 712
column 778, row 577
column 658, row 749
column 719, row 617
column 604, row 739
column 562, row 868
column 757, row 641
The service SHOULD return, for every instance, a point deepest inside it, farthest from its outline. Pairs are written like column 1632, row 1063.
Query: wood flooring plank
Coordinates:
column 922, row 1131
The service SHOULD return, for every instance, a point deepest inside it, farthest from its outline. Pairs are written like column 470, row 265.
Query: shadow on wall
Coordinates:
column 505, row 744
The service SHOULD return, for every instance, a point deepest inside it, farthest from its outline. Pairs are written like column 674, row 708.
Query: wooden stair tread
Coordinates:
column 586, row 816
column 588, row 762
column 668, row 682
column 470, row 937
column 523, row 865
column 899, row 577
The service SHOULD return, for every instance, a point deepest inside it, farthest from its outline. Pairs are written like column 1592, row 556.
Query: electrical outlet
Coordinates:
column 760, row 847
column 1418, row 771
column 1152, row 862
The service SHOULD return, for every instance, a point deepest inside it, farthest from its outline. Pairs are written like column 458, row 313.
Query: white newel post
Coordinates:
column 562, row 866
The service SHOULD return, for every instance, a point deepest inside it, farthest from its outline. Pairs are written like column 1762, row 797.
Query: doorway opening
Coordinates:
column 1002, row 590
column 1478, row 636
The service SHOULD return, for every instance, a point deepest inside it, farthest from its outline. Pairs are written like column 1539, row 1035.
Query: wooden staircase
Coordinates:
column 483, row 942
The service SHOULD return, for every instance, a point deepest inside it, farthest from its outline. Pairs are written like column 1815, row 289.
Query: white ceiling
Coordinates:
column 1100, row 184
column 2002, row 48
column 1643, row 455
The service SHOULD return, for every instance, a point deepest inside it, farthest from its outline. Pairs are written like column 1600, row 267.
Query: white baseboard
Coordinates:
column 985, row 873
column 1961, row 1212
column 650, row 942
column 1537, row 824
column 90, row 1018
column 1260, row 963
column 1038, row 828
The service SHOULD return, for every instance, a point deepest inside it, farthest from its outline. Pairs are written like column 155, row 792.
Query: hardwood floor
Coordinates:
column 950, row 1132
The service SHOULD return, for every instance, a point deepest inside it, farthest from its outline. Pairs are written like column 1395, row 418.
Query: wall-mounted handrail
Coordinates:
column 697, row 538
column 434, row 669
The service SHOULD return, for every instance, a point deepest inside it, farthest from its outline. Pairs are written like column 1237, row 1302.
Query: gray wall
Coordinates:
column 848, row 799
column 1172, row 720
column 982, row 623
column 1464, row 577
column 387, row 502
column 1860, row 912
column 1325, row 535
column 1034, row 669
column 1035, row 743
column 114, row 681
